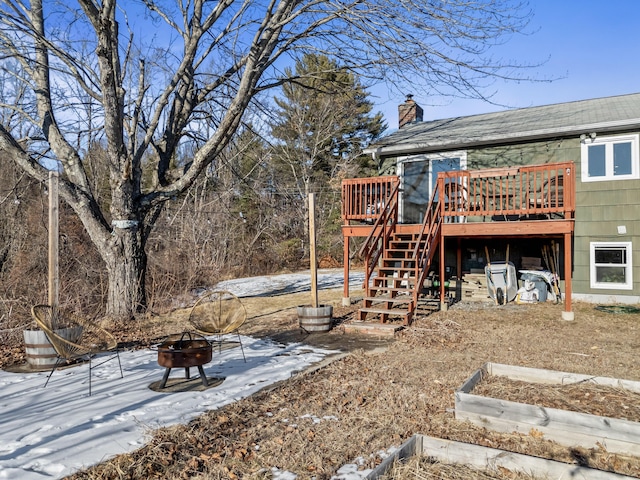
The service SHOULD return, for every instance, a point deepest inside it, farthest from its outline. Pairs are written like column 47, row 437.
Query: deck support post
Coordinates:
column 346, row 299
column 567, row 314
column 459, row 270
column 444, row 305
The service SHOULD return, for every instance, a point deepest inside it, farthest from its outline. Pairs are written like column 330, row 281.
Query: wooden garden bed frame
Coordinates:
column 485, row 458
column 564, row 427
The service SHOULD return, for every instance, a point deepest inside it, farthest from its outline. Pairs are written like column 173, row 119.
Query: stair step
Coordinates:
column 400, row 299
column 394, row 281
column 394, row 269
column 377, row 281
column 383, row 311
column 397, row 263
column 378, row 290
column 398, row 258
column 402, row 245
column 392, row 289
column 410, row 241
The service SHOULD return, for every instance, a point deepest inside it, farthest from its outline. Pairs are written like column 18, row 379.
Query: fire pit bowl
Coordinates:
column 184, row 352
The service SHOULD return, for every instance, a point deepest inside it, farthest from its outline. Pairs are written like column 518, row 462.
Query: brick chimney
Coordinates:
column 409, row 112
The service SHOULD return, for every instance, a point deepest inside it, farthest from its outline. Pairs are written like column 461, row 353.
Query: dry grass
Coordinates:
column 369, row 401
column 423, row 468
column 583, row 397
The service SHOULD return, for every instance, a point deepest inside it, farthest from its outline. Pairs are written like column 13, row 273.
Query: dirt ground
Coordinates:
column 381, row 392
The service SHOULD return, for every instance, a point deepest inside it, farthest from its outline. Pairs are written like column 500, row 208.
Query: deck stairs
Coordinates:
column 392, row 288
column 393, row 292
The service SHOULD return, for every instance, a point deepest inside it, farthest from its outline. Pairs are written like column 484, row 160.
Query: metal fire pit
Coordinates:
column 184, row 352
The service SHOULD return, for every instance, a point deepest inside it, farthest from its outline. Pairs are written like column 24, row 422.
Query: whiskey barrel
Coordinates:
column 39, row 352
column 315, row 319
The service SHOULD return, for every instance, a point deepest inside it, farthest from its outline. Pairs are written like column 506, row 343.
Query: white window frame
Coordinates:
column 609, row 142
column 429, row 158
column 628, row 283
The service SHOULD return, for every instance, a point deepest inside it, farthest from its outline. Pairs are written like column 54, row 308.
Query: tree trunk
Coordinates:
column 126, row 266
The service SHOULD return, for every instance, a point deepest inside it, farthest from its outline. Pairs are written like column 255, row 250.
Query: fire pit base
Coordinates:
column 179, row 384
column 187, row 376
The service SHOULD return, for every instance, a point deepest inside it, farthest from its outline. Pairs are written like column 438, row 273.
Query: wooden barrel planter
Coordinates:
column 315, row 319
column 39, row 352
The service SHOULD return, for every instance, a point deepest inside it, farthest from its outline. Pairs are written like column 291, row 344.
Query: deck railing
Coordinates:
column 378, row 240
column 364, row 199
column 426, row 243
column 514, row 193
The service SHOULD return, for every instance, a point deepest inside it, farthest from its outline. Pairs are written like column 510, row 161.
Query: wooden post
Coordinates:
column 444, row 305
column 312, row 250
column 567, row 314
column 346, row 299
column 459, row 270
column 53, row 240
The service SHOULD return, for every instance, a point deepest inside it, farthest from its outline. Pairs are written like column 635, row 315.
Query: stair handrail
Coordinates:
column 382, row 229
column 431, row 230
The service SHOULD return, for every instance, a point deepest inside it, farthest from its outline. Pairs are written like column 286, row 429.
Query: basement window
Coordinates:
column 610, row 158
column 611, row 265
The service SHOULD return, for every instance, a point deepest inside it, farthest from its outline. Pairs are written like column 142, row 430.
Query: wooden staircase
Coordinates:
column 391, row 292
column 404, row 261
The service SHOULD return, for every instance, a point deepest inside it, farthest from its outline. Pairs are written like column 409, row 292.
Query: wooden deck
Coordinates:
column 532, row 193
column 536, row 201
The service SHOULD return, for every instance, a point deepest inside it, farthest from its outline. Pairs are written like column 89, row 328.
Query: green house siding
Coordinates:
column 549, row 151
column 601, row 208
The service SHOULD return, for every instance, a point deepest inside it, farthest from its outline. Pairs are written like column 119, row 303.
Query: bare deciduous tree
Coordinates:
column 141, row 78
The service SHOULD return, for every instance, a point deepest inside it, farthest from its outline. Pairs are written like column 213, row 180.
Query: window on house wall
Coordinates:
column 610, row 158
column 611, row 265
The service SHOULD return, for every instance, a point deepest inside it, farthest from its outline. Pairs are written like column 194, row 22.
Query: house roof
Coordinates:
column 598, row 115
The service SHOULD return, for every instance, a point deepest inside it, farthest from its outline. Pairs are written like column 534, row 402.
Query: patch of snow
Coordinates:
column 54, row 431
column 282, row 475
column 271, row 285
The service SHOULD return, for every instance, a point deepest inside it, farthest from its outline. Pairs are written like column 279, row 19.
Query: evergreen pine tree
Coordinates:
column 322, row 124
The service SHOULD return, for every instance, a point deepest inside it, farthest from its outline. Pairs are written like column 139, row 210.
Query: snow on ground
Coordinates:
column 51, row 432
column 271, row 285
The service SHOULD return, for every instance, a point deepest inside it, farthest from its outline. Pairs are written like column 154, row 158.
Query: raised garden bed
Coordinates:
column 584, row 397
column 488, row 460
column 569, row 428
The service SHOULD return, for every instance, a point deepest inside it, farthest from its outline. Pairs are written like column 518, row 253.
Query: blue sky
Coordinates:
column 591, row 47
